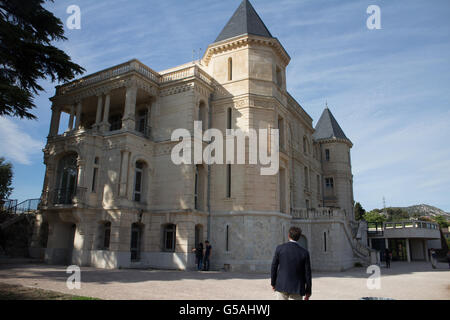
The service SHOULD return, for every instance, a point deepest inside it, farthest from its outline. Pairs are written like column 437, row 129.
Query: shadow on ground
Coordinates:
column 102, row 276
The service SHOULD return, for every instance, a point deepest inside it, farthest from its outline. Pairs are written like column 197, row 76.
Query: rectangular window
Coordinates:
column 229, row 119
column 227, row 243
column 318, row 184
column 306, row 178
column 94, row 178
column 327, row 154
column 329, row 183
column 196, row 189
column 138, row 185
column 325, row 242
column 281, row 132
column 107, row 236
column 228, row 180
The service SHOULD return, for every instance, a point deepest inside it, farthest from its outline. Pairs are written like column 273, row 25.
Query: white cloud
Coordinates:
column 16, row 144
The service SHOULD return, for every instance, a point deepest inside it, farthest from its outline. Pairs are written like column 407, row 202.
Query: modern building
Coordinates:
column 112, row 197
column 407, row 240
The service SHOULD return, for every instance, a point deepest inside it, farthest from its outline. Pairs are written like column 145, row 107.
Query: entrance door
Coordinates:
column 73, row 229
column 135, row 246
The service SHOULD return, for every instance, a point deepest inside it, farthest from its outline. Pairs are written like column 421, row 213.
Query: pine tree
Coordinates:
column 27, row 55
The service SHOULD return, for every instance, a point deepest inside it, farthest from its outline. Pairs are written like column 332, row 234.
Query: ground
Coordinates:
column 405, row 281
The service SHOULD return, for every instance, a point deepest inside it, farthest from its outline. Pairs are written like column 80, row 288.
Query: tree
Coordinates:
column 374, row 216
column 6, row 175
column 359, row 211
column 442, row 221
column 26, row 55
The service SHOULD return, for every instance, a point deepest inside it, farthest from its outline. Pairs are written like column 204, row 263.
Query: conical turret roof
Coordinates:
column 245, row 20
column 328, row 128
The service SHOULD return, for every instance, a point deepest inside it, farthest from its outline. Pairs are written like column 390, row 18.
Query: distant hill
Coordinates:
column 425, row 210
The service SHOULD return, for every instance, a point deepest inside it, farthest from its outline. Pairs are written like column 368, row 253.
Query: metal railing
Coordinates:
column 7, row 204
column 27, row 206
column 145, row 130
column 68, row 196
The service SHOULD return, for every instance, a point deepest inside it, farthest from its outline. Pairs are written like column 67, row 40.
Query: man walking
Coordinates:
column 291, row 269
column 208, row 249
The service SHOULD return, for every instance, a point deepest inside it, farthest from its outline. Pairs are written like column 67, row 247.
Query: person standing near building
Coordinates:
column 433, row 258
column 199, row 255
column 208, row 249
column 387, row 257
column 291, row 269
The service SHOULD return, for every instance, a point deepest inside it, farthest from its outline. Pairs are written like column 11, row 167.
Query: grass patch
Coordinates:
column 16, row 292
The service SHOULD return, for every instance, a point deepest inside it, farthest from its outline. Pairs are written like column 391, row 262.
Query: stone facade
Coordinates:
column 113, row 198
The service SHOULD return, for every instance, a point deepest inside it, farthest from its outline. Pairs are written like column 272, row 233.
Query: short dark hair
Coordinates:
column 295, row 233
column 206, row 241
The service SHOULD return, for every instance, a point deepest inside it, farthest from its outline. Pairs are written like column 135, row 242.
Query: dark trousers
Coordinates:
column 199, row 263
column 388, row 263
column 206, row 264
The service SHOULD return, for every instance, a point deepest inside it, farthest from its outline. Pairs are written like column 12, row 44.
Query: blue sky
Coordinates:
column 389, row 89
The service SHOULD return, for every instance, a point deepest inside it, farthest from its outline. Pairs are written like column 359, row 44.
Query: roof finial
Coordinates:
column 326, row 104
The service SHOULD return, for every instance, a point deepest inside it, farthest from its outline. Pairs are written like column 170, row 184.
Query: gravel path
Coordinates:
column 404, row 281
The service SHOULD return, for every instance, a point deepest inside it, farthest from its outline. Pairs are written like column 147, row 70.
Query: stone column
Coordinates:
column 72, row 113
column 129, row 114
column 105, row 123
column 78, row 116
column 124, row 174
column 425, row 249
column 98, row 116
column 408, row 250
column 54, row 124
column 386, row 241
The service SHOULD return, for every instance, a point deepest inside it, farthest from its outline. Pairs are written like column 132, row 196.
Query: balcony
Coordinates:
column 66, row 197
column 323, row 213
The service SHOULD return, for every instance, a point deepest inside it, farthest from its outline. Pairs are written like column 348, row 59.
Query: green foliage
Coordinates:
column 397, row 214
column 442, row 221
column 359, row 211
column 27, row 56
column 374, row 216
column 6, row 175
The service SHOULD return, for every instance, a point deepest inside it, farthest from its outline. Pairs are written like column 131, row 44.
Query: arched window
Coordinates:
column 66, row 184
column 230, row 69
column 169, row 237
column 138, row 181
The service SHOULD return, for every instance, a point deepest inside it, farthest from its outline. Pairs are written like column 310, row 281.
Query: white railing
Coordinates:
column 411, row 224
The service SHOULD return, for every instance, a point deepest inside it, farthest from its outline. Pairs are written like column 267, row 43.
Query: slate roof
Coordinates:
column 328, row 127
column 245, row 20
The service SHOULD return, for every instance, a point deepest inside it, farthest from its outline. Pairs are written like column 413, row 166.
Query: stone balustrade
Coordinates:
column 318, row 213
column 137, row 66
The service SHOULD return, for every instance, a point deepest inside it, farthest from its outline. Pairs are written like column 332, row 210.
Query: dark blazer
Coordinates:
column 291, row 269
